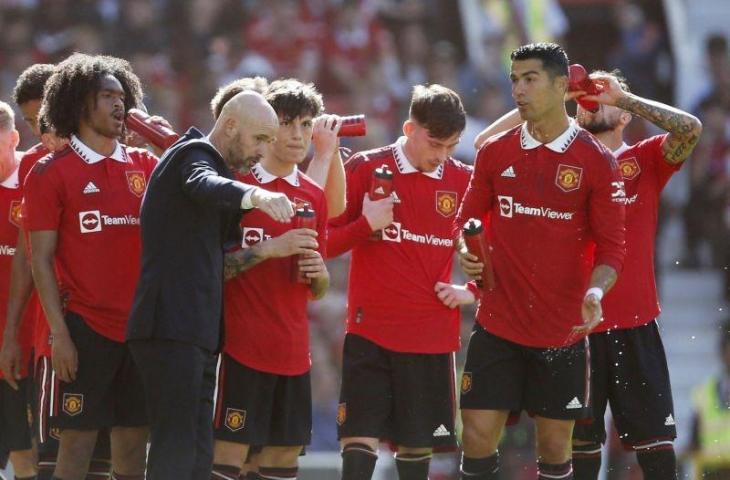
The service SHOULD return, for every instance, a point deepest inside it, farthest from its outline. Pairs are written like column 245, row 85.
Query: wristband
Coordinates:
column 598, row 292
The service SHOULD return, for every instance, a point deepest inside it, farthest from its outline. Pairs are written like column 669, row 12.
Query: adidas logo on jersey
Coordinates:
column 574, row 404
column 441, row 431
column 509, row 172
column 91, row 188
column 379, row 190
column 669, row 421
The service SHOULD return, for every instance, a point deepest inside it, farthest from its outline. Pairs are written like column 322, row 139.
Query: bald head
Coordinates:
column 245, row 129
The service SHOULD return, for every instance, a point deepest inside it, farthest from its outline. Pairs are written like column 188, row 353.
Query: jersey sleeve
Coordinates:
column 478, row 197
column 663, row 170
column 43, row 198
column 607, row 215
column 351, row 227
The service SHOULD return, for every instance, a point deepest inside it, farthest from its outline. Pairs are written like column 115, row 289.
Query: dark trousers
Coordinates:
column 179, row 380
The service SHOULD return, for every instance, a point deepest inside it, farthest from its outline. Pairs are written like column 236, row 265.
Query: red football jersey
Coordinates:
column 553, row 212
column 41, row 332
column 391, row 297
column 265, row 310
column 93, row 203
column 632, row 302
column 10, row 198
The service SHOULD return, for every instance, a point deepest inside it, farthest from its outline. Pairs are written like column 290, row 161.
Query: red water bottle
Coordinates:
column 304, row 217
column 578, row 79
column 352, row 126
column 381, row 187
column 476, row 244
column 158, row 135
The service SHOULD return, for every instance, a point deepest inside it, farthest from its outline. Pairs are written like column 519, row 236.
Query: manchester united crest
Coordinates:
column 568, row 177
column 446, row 203
column 629, row 168
column 466, row 382
column 73, row 404
column 235, row 419
column 136, row 183
column 341, row 413
column 15, row 213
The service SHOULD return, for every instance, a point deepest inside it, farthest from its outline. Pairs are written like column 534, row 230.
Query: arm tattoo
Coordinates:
column 240, row 261
column 684, row 129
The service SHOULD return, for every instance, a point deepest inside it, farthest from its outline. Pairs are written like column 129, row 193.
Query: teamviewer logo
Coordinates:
column 90, row 221
column 252, row 236
column 505, row 206
column 391, row 233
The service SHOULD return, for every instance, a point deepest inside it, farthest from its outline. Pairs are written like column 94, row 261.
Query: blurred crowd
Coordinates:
column 364, row 56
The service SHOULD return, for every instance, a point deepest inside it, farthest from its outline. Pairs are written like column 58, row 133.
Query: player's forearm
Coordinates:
column 684, row 129
column 21, row 288
column 319, row 168
column 235, row 263
column 502, row 124
column 334, row 189
column 603, row 277
column 46, row 284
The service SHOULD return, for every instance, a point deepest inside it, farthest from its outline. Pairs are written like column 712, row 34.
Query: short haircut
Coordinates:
column 30, row 83
column 291, row 98
column 7, row 117
column 230, row 90
column 554, row 59
column 618, row 75
column 78, row 79
column 438, row 109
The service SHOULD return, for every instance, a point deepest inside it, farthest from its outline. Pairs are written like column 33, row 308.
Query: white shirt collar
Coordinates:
column 260, row 173
column 91, row 157
column 559, row 145
column 12, row 181
column 405, row 166
column 620, row 150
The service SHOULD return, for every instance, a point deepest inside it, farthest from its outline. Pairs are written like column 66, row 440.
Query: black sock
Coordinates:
column 46, row 466
column 658, row 464
column 555, row 471
column 413, row 466
column 586, row 461
column 358, row 462
column 250, row 476
column 34, row 477
column 486, row 468
column 276, row 473
column 119, row 476
column 225, row 472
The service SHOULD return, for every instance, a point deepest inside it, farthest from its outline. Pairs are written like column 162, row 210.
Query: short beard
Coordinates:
column 600, row 127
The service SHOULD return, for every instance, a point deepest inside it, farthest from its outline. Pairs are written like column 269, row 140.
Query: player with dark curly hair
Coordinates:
column 82, row 212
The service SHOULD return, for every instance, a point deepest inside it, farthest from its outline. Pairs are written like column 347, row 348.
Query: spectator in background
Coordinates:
column 710, row 444
column 708, row 191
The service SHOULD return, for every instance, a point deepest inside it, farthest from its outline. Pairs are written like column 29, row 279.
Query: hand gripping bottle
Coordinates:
column 380, row 187
column 304, row 217
column 352, row 126
column 578, row 79
column 476, row 244
column 158, row 135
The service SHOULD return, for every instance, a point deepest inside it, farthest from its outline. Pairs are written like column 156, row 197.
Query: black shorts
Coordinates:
column 15, row 416
column 547, row 382
column 407, row 399
column 46, row 436
column 629, row 372
column 258, row 408
column 107, row 391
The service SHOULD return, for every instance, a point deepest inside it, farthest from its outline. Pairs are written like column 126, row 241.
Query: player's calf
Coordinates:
column 129, row 452
column 74, row 454
column 358, row 461
column 413, row 463
column 586, row 460
column 24, row 463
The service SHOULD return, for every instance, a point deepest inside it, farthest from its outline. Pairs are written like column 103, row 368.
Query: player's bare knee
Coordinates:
column 284, row 457
column 553, row 448
column 372, row 443
column 229, row 453
column 413, row 451
column 480, row 438
column 129, row 449
column 24, row 463
column 74, row 453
